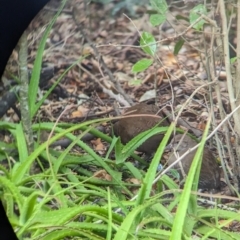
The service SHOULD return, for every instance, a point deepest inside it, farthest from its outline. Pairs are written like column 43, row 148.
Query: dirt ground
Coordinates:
column 116, row 41
column 110, row 38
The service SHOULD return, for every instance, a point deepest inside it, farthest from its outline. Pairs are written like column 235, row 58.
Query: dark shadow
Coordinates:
column 15, row 16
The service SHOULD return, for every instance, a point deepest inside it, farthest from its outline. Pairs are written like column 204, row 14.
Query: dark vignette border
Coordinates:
column 15, row 16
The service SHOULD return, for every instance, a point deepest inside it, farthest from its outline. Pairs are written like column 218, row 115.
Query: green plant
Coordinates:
column 67, row 199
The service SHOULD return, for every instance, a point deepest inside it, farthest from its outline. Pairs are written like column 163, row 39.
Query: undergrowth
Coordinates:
column 66, row 199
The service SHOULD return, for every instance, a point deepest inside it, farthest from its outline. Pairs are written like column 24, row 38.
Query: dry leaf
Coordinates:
column 102, row 174
column 98, row 145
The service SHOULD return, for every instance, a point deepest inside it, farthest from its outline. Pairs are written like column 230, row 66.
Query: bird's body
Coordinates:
column 210, row 172
column 129, row 127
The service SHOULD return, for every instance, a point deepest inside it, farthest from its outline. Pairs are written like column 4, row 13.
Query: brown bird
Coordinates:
column 129, row 127
column 210, row 172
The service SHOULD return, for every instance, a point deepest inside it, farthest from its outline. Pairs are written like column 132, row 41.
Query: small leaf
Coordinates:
column 141, row 65
column 149, row 40
column 178, row 46
column 233, row 60
column 157, row 19
column 195, row 13
column 159, row 5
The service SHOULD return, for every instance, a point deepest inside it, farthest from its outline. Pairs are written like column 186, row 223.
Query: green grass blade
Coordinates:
column 179, row 221
column 34, row 81
column 24, row 168
column 150, row 176
column 125, row 229
column 21, row 143
column 39, row 104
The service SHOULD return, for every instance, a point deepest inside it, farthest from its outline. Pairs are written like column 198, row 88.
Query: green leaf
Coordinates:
column 13, row 190
column 155, row 233
column 28, row 207
column 133, row 170
column 65, row 215
column 159, row 5
column 195, row 13
column 111, row 147
column 7, row 148
column 79, row 232
column 149, row 40
column 168, row 181
column 233, row 60
column 124, row 231
column 149, row 178
column 212, row 232
column 123, row 152
column 23, row 168
column 178, row 46
column 4, row 171
column 141, row 65
column 21, row 143
column 181, row 224
column 164, row 211
column 6, row 125
column 118, row 151
column 110, row 230
column 157, row 19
